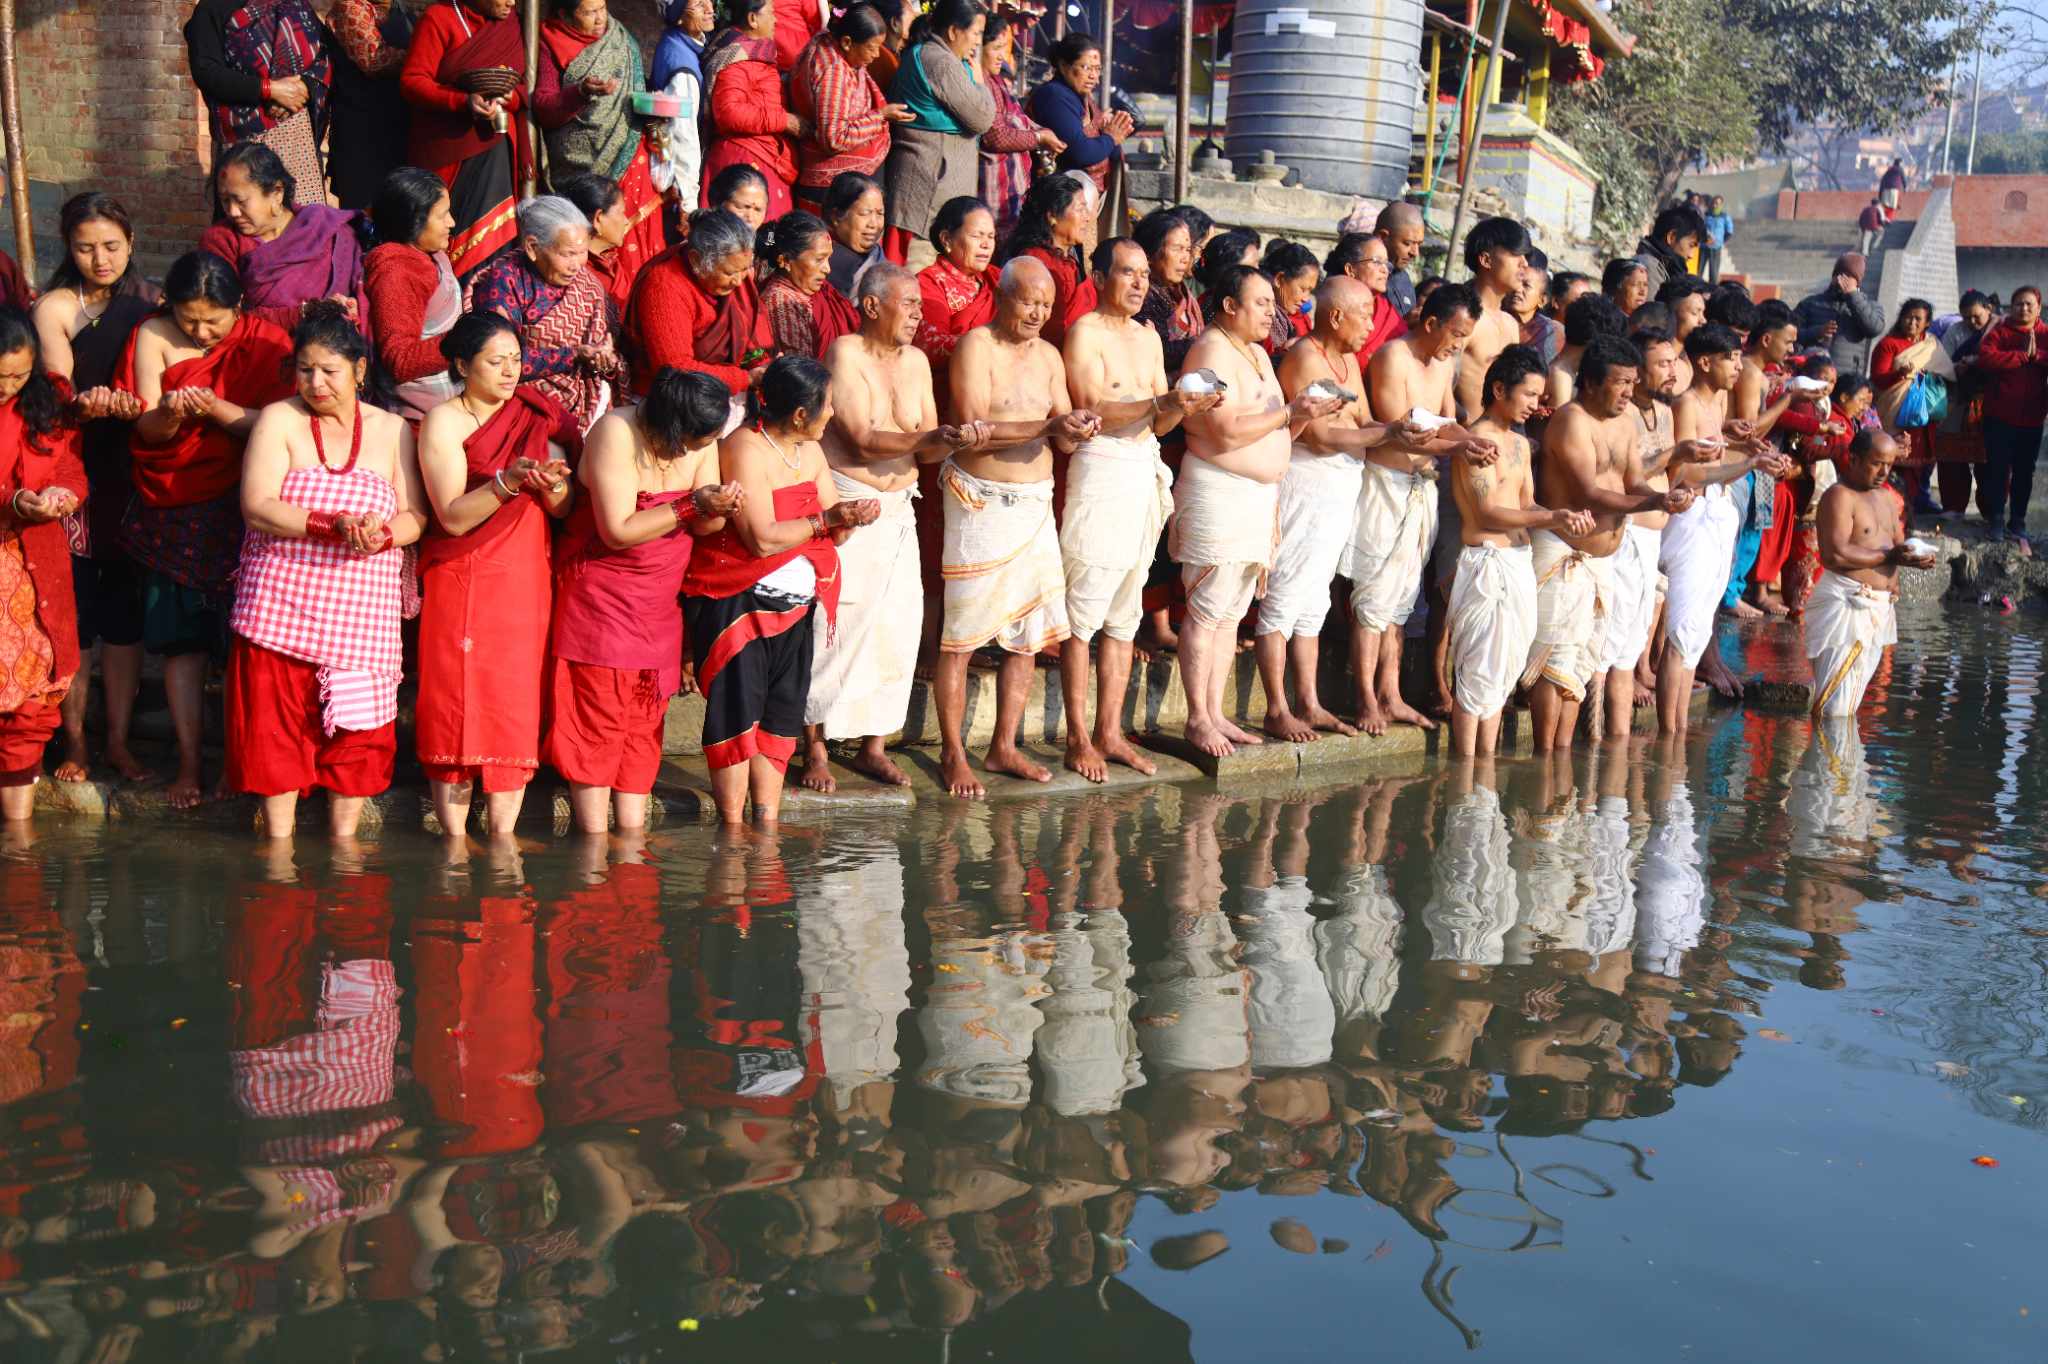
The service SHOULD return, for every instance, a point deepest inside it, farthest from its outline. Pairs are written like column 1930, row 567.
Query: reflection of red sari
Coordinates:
column 42, row 990
column 476, row 1050
column 484, row 613
column 607, row 1013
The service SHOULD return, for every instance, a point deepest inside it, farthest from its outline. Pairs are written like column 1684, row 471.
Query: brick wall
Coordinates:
column 107, row 103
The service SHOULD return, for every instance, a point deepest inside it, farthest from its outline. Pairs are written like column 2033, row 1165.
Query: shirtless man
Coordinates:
column 1493, row 603
column 1591, row 458
column 884, row 416
column 1850, row 614
column 1590, row 315
column 1699, row 544
column 1119, row 494
column 1227, row 497
column 1004, row 582
column 1396, row 522
column 1497, row 254
column 1638, row 606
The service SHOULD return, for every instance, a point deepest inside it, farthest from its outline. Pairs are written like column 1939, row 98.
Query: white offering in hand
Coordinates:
column 1919, row 548
column 1428, row 421
column 1200, row 381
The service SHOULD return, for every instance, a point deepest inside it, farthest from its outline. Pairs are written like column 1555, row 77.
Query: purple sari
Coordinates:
column 318, row 256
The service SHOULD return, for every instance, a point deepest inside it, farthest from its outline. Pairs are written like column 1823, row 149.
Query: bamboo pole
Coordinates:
column 1500, row 23
column 1113, row 191
column 17, row 154
column 1183, row 154
column 1436, row 71
column 530, row 14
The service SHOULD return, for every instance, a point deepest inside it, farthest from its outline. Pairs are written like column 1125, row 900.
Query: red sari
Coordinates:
column 482, row 167
column 476, row 1044
column 485, row 611
column 38, row 616
column 187, row 520
column 1073, row 289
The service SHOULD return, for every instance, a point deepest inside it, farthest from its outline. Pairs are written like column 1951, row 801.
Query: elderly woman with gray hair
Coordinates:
column 696, row 307
column 543, row 285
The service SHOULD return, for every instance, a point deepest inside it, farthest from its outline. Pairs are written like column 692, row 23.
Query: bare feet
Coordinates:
column 958, row 778
column 1210, row 741
column 1238, row 736
column 1716, row 675
column 1008, row 759
column 127, row 764
column 1325, row 721
column 1371, row 718
column 876, row 765
column 1742, row 610
column 183, row 792
column 1645, row 696
column 1121, row 750
column 76, row 765
column 1282, row 725
column 816, row 774
column 1401, row 713
column 1085, row 758
column 1156, row 636
column 1767, row 602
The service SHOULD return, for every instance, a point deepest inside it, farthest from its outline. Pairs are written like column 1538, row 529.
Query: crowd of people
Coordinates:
column 815, row 364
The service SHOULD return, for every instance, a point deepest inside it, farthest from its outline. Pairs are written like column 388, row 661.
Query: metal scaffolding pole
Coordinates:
column 1183, row 154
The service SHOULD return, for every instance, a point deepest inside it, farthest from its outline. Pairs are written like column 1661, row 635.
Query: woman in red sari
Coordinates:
column 1056, row 217
column 696, row 307
column 202, row 370
column 747, row 118
column 495, row 465
column 461, row 79
column 759, row 583
column 650, row 484
column 1295, row 277
column 797, row 250
column 1363, row 256
column 42, row 480
column 959, row 288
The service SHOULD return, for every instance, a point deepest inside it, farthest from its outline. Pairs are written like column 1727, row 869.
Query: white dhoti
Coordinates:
column 1318, row 503
column 854, row 965
column 1292, row 1015
column 1224, row 526
column 1004, row 583
column 861, row 670
column 1472, row 904
column 1492, row 624
column 1611, row 912
column 1697, row 554
column 1848, row 624
column 1390, row 542
column 1571, row 600
column 980, row 1014
column 1834, row 816
column 1087, row 1049
column 1193, row 1012
column 1119, row 494
column 1632, row 600
column 1359, row 947
column 1551, row 885
column 1671, row 889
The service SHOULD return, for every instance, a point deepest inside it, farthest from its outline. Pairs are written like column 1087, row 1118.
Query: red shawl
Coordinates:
column 835, row 314
column 34, row 465
column 250, row 366
column 443, row 145
column 1386, row 325
column 955, row 303
column 723, row 566
column 522, row 427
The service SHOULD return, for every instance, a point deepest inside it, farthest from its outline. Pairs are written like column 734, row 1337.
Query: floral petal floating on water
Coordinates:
column 1951, row 1070
column 1772, row 1035
column 1988, row 1162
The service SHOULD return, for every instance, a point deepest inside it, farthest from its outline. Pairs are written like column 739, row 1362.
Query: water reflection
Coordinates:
column 889, row 1091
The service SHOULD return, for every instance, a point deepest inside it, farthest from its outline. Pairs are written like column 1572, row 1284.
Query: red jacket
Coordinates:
column 400, row 281
column 796, row 21
column 669, row 315
column 2015, row 387
column 44, row 549
column 1073, row 290
column 750, row 124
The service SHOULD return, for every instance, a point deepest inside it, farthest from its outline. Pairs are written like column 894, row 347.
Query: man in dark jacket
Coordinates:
column 1668, row 251
column 1841, row 317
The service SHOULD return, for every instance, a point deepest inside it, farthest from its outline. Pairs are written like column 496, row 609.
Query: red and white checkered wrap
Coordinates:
column 344, row 1063
column 320, row 601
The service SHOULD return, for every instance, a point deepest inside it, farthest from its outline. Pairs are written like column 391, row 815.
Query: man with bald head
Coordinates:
column 884, row 415
column 1400, row 227
column 1004, row 582
column 1318, row 499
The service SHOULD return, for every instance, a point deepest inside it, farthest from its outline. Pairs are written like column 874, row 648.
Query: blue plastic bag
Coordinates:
column 1925, row 403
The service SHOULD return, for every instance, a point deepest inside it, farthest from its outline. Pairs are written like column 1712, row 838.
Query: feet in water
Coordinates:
column 1010, row 760
column 816, row 774
column 1325, row 721
column 1715, row 674
column 1283, row 725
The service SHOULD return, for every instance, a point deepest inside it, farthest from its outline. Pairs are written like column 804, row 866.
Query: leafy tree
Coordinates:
column 2012, row 154
column 1864, row 63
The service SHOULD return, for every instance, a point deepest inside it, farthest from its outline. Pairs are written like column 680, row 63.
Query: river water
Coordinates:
column 1665, row 1054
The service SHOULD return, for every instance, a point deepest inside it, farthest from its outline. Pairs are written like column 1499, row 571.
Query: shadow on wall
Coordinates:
column 108, row 103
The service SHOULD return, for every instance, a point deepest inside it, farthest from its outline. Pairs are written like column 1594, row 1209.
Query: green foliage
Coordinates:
column 1869, row 64
column 2011, row 154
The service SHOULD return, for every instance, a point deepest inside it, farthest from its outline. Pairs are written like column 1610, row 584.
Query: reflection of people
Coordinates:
column 1472, row 900
column 855, row 966
column 1289, row 1008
